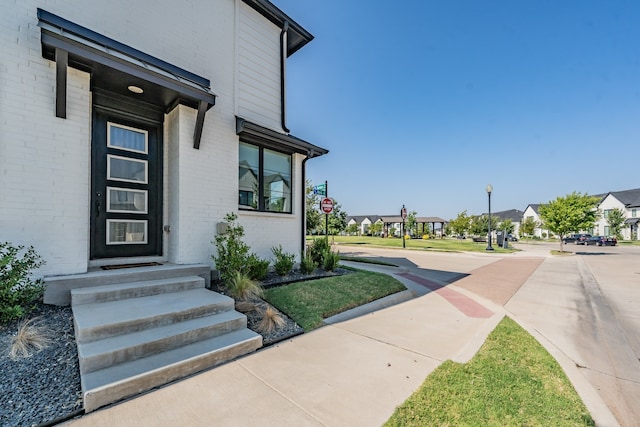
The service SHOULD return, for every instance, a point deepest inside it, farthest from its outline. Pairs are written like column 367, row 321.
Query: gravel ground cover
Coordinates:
column 45, row 387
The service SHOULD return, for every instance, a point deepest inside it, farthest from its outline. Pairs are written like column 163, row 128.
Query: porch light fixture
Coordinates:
column 135, row 89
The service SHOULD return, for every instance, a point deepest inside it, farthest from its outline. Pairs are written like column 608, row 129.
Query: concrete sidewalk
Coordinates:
column 348, row 373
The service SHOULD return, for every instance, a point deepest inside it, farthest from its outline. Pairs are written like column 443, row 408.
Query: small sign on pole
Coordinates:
column 320, row 189
column 326, row 205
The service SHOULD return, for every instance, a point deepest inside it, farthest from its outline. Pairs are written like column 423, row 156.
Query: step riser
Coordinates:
column 97, row 362
column 84, row 335
column 58, row 288
column 136, row 292
column 94, row 399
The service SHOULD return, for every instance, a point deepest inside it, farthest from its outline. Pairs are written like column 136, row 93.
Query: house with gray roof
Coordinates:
column 628, row 201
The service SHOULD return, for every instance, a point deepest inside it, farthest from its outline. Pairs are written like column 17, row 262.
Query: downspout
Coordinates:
column 303, row 221
column 283, row 69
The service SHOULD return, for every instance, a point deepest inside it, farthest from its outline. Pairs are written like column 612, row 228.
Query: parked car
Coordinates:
column 578, row 238
column 601, row 241
column 512, row 238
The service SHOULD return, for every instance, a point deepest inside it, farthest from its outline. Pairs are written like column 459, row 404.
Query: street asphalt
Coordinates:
column 362, row 364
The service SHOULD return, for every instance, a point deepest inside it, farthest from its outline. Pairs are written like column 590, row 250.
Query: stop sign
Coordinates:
column 326, row 205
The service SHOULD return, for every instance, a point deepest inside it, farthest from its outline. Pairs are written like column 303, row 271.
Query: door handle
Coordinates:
column 98, row 204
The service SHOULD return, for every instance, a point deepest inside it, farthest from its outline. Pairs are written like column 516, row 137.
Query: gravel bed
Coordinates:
column 45, row 386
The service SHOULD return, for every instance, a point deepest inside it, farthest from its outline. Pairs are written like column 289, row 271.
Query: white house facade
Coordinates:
column 628, row 202
column 128, row 132
column 532, row 212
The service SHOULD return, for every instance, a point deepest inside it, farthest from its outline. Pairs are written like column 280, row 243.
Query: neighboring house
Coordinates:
column 532, row 211
column 362, row 222
column 514, row 215
column 628, row 202
column 129, row 130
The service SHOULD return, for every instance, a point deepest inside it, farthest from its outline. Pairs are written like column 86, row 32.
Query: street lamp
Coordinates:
column 489, row 190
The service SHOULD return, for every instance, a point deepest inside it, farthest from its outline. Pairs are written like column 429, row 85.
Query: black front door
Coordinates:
column 126, row 189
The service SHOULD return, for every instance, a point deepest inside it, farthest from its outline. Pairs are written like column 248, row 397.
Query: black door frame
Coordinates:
column 111, row 107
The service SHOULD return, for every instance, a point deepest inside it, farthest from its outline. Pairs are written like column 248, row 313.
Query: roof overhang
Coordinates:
column 115, row 66
column 297, row 36
column 253, row 133
column 631, row 221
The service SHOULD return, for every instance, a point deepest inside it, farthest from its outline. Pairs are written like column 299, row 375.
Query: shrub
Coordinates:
column 331, row 260
column 307, row 264
column 241, row 287
column 317, row 249
column 232, row 252
column 30, row 338
column 270, row 321
column 18, row 291
column 284, row 261
column 257, row 268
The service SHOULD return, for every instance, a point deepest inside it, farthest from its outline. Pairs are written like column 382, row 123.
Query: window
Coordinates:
column 634, row 212
column 264, row 178
column 607, row 230
column 607, row 212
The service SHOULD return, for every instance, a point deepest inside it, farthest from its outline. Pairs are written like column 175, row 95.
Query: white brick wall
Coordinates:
column 45, row 161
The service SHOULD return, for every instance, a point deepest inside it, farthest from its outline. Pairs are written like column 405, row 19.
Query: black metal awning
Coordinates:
column 115, row 66
column 632, row 221
column 253, row 133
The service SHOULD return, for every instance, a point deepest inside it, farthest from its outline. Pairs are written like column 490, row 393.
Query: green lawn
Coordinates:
column 444, row 245
column 511, row 381
column 309, row 303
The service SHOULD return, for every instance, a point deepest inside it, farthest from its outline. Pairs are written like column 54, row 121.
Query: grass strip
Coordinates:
column 309, row 303
column 511, row 381
column 438, row 245
column 366, row 260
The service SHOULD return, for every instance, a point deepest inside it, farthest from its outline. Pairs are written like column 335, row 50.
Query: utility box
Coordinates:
column 500, row 237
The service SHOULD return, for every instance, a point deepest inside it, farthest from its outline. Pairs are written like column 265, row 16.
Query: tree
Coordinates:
column 314, row 217
column 375, row 228
column 616, row 218
column 506, row 225
column 480, row 224
column 352, row 228
column 337, row 219
column 412, row 223
column 571, row 213
column 461, row 224
column 528, row 226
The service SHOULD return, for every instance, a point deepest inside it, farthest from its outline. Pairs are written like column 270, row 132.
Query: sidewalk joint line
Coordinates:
column 287, row 398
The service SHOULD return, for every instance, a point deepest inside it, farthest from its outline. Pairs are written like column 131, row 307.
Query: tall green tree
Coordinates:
column 312, row 202
column 411, row 222
column 616, row 218
column 528, row 226
column 506, row 225
column 375, row 228
column 480, row 224
column 460, row 225
column 337, row 219
column 569, row 214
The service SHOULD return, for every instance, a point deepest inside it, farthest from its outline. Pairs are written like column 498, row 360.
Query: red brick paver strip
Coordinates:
column 500, row 280
column 462, row 302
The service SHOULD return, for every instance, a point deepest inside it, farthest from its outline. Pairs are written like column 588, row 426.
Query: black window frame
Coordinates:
column 261, row 196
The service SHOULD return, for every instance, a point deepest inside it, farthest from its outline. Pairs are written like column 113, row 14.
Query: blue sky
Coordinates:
column 425, row 102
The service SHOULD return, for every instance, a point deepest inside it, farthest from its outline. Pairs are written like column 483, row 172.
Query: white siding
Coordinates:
column 258, row 56
column 610, row 202
column 45, row 161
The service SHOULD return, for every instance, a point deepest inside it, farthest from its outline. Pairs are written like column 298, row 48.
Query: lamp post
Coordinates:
column 489, row 190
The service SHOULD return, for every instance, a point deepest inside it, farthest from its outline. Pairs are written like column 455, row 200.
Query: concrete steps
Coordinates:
column 135, row 336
